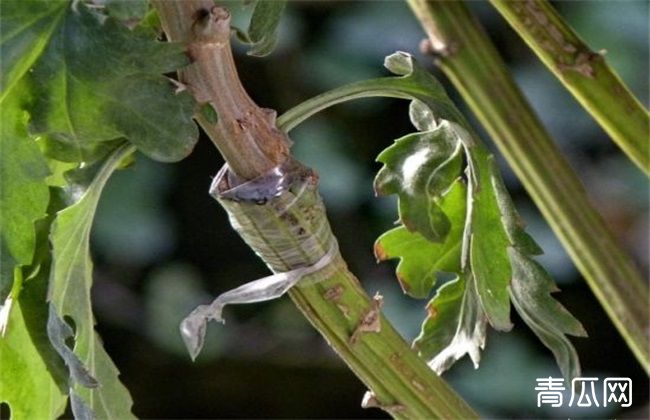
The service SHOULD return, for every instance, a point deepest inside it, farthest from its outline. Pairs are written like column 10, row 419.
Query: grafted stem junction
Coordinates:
column 288, row 227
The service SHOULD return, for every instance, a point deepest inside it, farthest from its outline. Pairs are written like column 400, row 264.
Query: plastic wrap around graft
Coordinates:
column 281, row 216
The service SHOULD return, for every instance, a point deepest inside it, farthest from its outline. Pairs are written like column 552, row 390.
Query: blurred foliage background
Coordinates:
column 162, row 245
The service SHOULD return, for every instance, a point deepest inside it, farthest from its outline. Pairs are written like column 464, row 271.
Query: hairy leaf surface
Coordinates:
column 93, row 374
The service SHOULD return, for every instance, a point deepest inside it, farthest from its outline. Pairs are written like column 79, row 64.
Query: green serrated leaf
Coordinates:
column 455, row 325
column 70, row 285
column 263, row 28
column 419, row 168
column 531, row 296
column 33, row 380
column 512, row 222
column 489, row 248
column 23, row 192
column 482, row 292
column 99, row 81
column 421, row 259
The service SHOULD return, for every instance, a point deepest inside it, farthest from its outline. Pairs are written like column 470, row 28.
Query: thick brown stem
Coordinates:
column 244, row 133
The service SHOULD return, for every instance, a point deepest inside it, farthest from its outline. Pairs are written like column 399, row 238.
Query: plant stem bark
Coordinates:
column 470, row 60
column 584, row 73
column 400, row 381
column 244, row 133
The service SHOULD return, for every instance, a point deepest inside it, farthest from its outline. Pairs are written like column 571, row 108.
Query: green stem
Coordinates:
column 472, row 63
column 584, row 73
column 403, row 385
column 359, row 90
column 401, row 381
column 385, row 87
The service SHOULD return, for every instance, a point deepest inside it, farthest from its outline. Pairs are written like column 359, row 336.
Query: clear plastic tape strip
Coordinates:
column 281, row 216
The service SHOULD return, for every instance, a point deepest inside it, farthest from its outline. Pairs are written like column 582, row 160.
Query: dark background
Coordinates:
column 162, row 245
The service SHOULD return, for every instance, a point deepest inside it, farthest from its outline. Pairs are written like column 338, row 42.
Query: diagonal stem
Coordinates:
column 584, row 73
